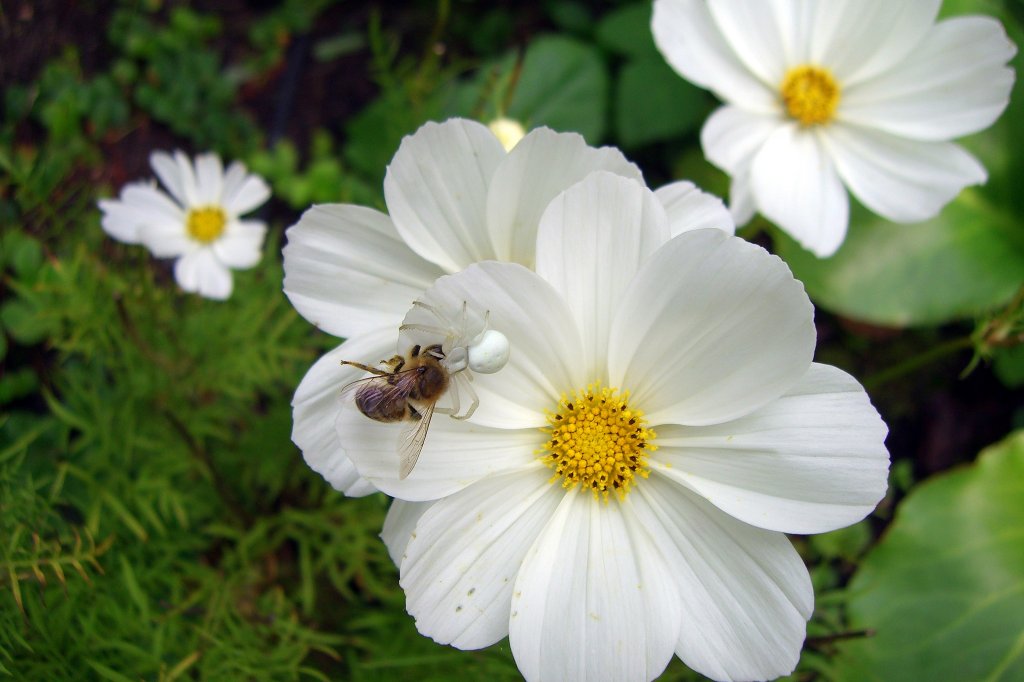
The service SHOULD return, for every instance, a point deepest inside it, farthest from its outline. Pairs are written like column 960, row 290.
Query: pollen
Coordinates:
column 597, row 442
column 206, row 224
column 810, row 94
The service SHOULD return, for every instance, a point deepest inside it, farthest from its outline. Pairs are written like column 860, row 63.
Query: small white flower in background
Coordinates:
column 455, row 197
column 508, row 131
column 819, row 95
column 623, row 489
column 198, row 222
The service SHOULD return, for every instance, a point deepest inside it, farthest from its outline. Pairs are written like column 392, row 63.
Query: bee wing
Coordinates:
column 410, row 441
column 390, row 387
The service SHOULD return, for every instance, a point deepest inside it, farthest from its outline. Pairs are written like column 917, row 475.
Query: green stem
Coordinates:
column 906, row 367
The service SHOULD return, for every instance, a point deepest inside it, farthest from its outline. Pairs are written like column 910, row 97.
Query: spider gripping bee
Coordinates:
column 407, row 387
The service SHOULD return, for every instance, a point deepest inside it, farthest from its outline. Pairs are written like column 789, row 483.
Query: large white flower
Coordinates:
column 454, row 197
column 861, row 93
column 623, row 490
column 198, row 223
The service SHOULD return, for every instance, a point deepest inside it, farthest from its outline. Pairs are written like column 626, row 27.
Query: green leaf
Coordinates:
column 627, row 30
column 1008, row 365
column 653, row 103
column 26, row 324
column 968, row 260
column 944, row 590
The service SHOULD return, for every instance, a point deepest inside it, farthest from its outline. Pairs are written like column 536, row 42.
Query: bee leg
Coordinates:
column 365, row 368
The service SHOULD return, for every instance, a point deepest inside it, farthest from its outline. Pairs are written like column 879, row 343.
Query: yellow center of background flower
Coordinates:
column 811, row 94
column 205, row 224
column 598, row 442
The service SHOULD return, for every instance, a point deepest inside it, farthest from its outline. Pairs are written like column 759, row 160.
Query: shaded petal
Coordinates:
column 347, row 271
column 593, row 599
column 545, row 359
column 209, row 179
column 688, row 208
column 167, row 169
column 592, row 240
column 249, row 193
column 140, row 204
column 858, row 39
column 745, row 594
column 812, row 461
column 200, row 272
column 461, row 563
column 121, row 221
column 741, row 199
column 241, row 245
column 760, row 33
column 317, row 404
column 711, row 329
column 436, row 191
column 541, row 166
column 732, row 136
column 400, row 525
column 900, row 179
column 691, row 42
column 796, row 186
column 954, row 84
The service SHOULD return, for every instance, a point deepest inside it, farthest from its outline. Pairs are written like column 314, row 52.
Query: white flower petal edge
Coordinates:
column 400, row 526
column 347, row 271
column 688, row 208
column 200, row 272
column 593, row 599
column 810, row 462
column 711, row 329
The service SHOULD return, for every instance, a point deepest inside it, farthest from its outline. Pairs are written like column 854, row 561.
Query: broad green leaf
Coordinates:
column 653, row 103
column 627, row 30
column 1008, row 365
column 966, row 261
column 943, row 591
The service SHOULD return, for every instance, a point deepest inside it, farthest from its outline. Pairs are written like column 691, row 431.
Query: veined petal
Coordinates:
column 593, row 600
column 732, row 136
column 690, row 40
column 796, row 186
column 200, row 272
column 209, row 179
column 461, row 563
column 858, row 39
column 167, row 169
column 241, row 245
column 400, row 525
column 745, row 594
column 712, row 328
column 545, row 345
column 317, row 403
column 436, row 191
column 688, row 208
column 900, row 179
column 541, row 166
column 812, row 461
column 955, row 83
column 347, row 271
column 760, row 33
column 593, row 238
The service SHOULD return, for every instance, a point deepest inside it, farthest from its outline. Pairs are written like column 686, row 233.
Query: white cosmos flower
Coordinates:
column 454, row 197
column 623, row 490
column 861, row 93
column 198, row 223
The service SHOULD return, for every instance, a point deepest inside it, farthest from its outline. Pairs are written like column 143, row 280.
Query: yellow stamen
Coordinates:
column 206, row 224
column 810, row 94
column 598, row 442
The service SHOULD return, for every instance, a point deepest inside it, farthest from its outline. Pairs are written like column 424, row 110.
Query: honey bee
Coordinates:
column 407, row 388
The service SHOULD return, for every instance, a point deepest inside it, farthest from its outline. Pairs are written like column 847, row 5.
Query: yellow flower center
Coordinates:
column 810, row 94
column 508, row 131
column 598, row 442
column 205, row 224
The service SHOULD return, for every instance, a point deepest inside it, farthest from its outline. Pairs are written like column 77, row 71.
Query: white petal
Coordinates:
column 317, row 403
column 541, row 166
column 545, row 359
column 461, row 564
column 592, row 239
column 741, row 199
column 250, row 193
column 166, row 168
column 209, row 179
column 200, row 272
column 812, row 461
column 745, row 594
column 858, row 39
column 400, row 525
column 139, row 205
column 693, row 45
column 711, row 329
column 241, row 245
column 732, row 136
column 455, row 454
column 953, row 84
column 688, row 208
column 120, row 220
column 593, row 600
column 233, row 179
column 347, row 271
column 436, row 191
column 796, row 186
column 900, row 179
column 759, row 32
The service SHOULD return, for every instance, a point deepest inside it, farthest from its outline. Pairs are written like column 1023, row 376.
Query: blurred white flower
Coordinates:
column 455, row 197
column 198, row 223
column 865, row 93
column 622, row 492
column 508, row 131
